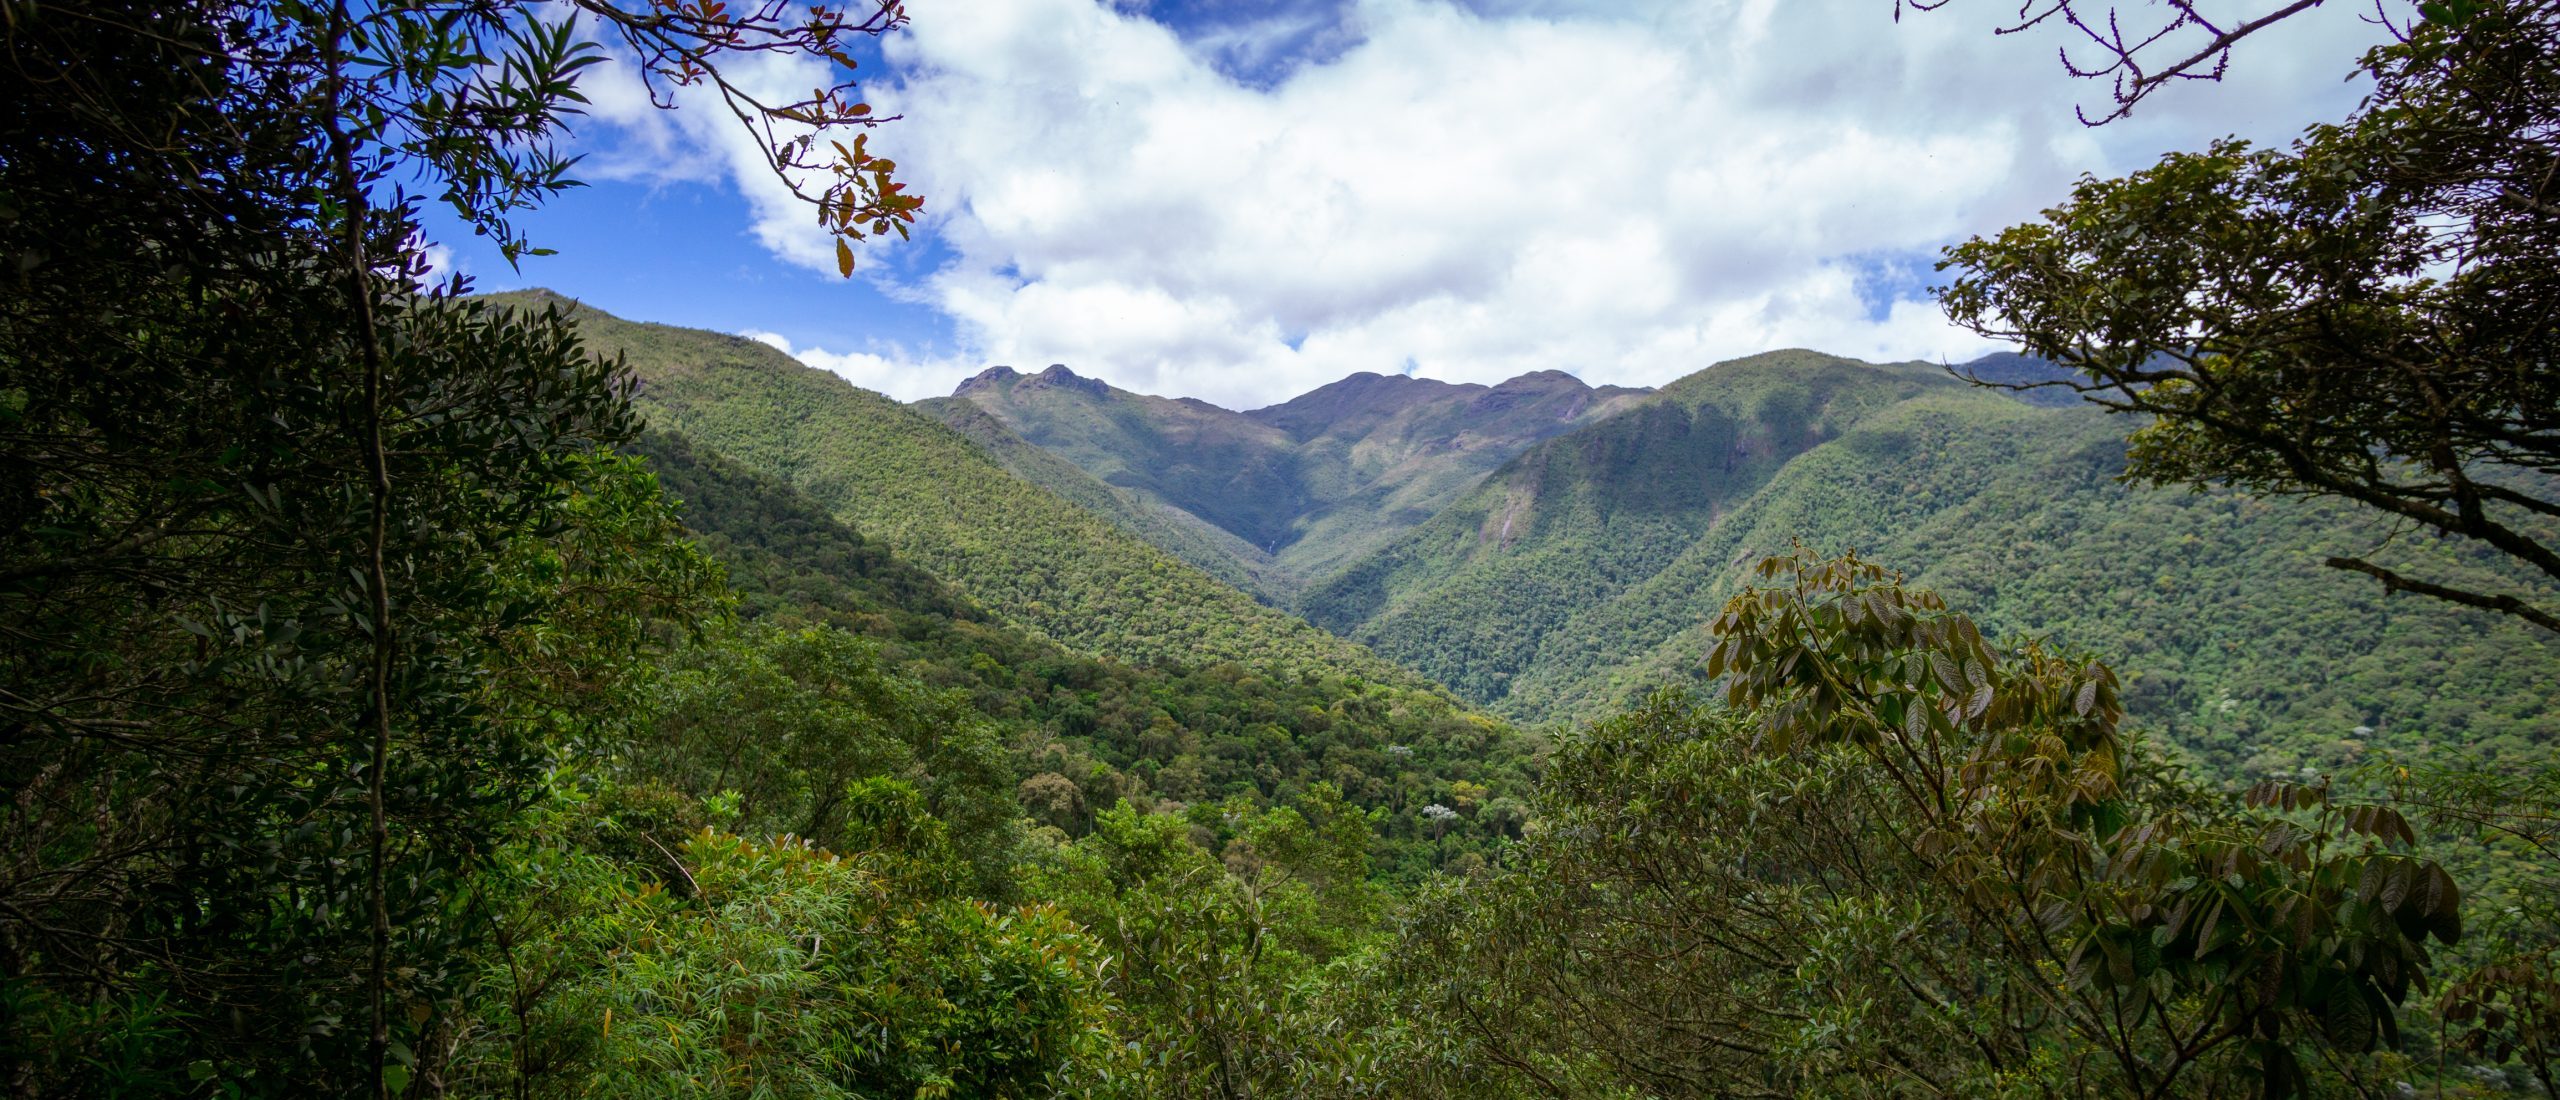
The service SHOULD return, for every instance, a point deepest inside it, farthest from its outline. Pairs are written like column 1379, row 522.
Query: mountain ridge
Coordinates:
column 1588, row 570
column 1312, row 482
column 936, row 498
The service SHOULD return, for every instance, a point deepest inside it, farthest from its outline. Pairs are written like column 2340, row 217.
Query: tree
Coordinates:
column 714, row 965
column 257, row 501
column 1905, row 862
column 2369, row 315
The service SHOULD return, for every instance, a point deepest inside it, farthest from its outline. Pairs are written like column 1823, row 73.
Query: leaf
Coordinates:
column 2346, row 1019
column 1948, row 674
column 844, row 258
column 2395, row 886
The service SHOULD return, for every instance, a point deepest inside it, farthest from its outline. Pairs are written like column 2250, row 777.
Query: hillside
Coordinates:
column 1624, row 538
column 1101, row 729
column 1470, row 596
column 895, row 474
column 1311, row 484
column 1230, row 559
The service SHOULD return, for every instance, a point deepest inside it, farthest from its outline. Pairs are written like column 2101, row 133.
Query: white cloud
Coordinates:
column 1627, row 190
column 903, row 377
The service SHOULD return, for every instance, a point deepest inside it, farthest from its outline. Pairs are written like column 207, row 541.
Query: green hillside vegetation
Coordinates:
column 1575, row 521
column 1205, row 545
column 1236, row 474
column 1308, row 485
column 2242, row 649
column 403, row 701
column 1084, row 733
column 900, row 476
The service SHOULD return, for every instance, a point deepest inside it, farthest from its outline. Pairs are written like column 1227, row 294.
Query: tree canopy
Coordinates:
column 2368, row 315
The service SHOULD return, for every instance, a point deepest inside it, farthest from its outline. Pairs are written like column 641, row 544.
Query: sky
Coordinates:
column 1241, row 200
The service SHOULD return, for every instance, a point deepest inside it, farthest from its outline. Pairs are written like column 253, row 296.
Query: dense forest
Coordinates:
column 411, row 693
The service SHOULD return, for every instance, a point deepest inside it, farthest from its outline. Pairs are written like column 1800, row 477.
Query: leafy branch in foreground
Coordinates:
column 2369, row 316
column 1905, row 862
column 2163, row 936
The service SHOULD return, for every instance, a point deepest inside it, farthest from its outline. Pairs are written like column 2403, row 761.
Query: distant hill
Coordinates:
column 1586, row 570
column 2026, row 378
column 893, row 473
column 1185, row 536
column 1310, row 484
column 1472, row 595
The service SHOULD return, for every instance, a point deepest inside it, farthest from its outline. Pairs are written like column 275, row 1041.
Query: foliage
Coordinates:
column 191, row 766
column 897, row 475
column 1471, row 596
column 1214, row 952
column 259, row 505
column 720, row 966
column 1239, row 564
column 1913, row 865
column 1085, row 733
column 2364, row 317
column 2241, row 658
column 787, row 724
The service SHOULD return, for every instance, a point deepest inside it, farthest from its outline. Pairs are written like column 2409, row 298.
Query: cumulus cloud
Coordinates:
column 906, row 378
column 1626, row 190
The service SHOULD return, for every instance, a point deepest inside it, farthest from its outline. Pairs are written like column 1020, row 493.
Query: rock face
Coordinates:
column 1313, row 482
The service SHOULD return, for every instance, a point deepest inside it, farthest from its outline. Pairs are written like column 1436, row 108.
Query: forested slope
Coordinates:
column 1308, row 485
column 2235, row 639
column 1083, row 732
column 1195, row 540
column 1573, row 522
column 901, row 476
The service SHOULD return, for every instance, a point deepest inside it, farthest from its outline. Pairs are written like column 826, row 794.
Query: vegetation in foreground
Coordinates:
column 375, row 727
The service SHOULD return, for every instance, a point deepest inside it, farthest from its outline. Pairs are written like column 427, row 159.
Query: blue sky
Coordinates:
column 1243, row 199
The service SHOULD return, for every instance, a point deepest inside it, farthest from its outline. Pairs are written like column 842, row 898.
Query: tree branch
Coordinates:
column 2394, row 582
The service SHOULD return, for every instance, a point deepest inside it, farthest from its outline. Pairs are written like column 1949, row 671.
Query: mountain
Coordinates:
column 1311, row 484
column 1587, row 569
column 2041, row 379
column 1472, row 594
column 1101, row 729
column 1186, row 536
column 895, row 474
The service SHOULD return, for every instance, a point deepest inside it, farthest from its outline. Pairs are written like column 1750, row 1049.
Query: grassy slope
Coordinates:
column 1383, row 455
column 903, row 477
column 1237, row 475
column 2240, row 644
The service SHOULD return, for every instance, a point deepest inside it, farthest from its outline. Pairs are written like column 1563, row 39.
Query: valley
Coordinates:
column 1326, row 550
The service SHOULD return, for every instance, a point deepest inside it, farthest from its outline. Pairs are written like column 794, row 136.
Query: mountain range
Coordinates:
column 1306, row 486
column 1549, row 551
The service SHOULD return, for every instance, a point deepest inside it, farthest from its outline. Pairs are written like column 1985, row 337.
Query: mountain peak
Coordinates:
column 1542, row 381
column 991, row 378
column 1059, row 377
